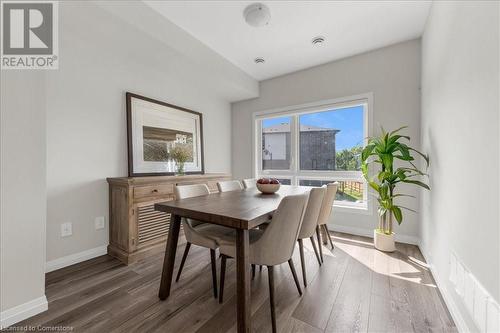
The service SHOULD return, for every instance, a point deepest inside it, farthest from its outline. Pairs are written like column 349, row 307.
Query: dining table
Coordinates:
column 241, row 210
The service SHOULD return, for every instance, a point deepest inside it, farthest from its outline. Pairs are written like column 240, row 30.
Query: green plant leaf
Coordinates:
column 387, row 160
column 381, row 211
column 397, row 214
column 398, row 129
column 426, row 157
column 395, row 138
column 411, row 210
column 383, row 190
column 374, row 186
column 416, row 182
column 412, row 169
column 402, row 195
column 367, row 151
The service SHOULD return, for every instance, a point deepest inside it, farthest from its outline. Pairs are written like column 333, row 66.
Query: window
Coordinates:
column 349, row 192
column 314, row 147
column 276, row 144
column 331, row 140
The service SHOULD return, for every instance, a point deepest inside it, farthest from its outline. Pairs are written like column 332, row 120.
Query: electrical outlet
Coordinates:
column 66, row 229
column 99, row 222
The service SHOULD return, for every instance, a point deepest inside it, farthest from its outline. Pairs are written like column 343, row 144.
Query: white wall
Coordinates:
column 460, row 130
column 23, row 195
column 101, row 57
column 64, row 131
column 392, row 74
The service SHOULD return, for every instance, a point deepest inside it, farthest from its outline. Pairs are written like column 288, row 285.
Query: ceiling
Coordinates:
column 350, row 27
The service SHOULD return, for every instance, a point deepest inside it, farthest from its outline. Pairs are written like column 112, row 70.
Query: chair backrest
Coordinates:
column 250, row 182
column 229, row 185
column 278, row 241
column 327, row 205
column 311, row 214
column 191, row 191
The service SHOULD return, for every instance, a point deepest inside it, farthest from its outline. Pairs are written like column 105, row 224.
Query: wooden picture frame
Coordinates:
column 157, row 122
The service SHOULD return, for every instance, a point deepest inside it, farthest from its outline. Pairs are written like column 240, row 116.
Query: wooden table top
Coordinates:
column 243, row 209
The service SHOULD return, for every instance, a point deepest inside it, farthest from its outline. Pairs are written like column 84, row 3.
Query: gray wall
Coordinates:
column 391, row 73
column 460, row 126
column 64, row 131
column 23, row 188
column 86, row 119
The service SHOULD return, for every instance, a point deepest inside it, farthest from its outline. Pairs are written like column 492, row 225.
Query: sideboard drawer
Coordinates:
column 153, row 190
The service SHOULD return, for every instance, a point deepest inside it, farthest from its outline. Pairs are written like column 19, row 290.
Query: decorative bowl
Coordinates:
column 268, row 188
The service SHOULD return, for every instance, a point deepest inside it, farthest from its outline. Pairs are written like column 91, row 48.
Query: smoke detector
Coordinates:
column 259, row 60
column 318, row 41
column 257, row 15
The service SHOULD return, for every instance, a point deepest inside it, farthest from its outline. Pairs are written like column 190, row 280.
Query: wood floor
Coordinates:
column 358, row 289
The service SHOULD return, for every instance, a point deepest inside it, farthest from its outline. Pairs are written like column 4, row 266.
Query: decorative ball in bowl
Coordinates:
column 268, row 185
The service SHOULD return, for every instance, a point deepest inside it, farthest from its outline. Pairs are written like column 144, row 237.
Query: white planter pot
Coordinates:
column 384, row 242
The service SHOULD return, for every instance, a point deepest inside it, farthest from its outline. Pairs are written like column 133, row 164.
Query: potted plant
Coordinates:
column 181, row 153
column 383, row 151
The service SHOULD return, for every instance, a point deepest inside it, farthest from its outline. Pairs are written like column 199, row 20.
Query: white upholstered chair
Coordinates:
column 198, row 232
column 324, row 215
column 272, row 246
column 229, row 185
column 249, row 183
column 310, row 225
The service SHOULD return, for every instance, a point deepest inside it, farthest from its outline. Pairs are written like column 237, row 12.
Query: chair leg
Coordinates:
column 329, row 236
column 271, row 296
column 184, row 256
column 253, row 271
column 318, row 235
column 323, row 235
column 294, row 273
column 302, row 263
column 214, row 271
column 315, row 249
column 222, row 276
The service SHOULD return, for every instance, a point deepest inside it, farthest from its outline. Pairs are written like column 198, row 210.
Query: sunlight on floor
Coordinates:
column 395, row 265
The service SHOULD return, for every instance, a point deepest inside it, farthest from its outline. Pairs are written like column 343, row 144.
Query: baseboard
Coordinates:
column 448, row 299
column 18, row 313
column 369, row 233
column 75, row 258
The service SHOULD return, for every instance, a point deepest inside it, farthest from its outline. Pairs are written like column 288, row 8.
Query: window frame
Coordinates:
column 295, row 173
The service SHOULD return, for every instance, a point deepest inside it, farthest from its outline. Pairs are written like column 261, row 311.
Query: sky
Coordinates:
column 348, row 120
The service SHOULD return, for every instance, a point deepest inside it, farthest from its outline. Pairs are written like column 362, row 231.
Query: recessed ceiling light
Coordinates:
column 318, row 41
column 257, row 15
column 259, row 60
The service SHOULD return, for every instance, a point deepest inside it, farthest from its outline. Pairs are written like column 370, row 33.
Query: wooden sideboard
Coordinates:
column 136, row 230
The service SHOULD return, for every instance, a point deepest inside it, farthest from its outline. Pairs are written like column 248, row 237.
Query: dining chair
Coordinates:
column 324, row 215
column 249, row 182
column 198, row 232
column 229, row 185
column 272, row 246
column 310, row 225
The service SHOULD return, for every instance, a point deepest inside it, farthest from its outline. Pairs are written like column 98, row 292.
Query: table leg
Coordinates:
column 169, row 259
column 243, row 281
